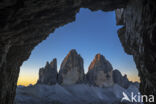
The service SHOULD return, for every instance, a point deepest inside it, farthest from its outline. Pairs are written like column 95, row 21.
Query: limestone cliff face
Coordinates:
column 119, row 79
column 71, row 70
column 48, row 74
column 100, row 72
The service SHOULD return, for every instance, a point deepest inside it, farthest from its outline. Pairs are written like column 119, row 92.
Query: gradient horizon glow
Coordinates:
column 91, row 33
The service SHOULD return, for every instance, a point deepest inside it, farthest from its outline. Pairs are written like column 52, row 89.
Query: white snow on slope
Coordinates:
column 74, row 94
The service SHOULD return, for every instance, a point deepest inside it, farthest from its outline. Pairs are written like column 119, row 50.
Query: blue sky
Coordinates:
column 91, row 33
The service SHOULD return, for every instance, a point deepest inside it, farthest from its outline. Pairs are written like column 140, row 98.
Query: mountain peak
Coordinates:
column 99, row 62
column 48, row 74
column 71, row 70
column 99, row 57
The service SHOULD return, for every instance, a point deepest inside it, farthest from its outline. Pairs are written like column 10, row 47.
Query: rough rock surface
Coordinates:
column 119, row 79
column 100, row 72
column 48, row 74
column 25, row 23
column 71, row 70
column 119, row 16
column 138, row 39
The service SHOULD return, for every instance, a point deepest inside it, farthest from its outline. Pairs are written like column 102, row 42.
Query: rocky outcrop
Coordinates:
column 138, row 39
column 100, row 72
column 119, row 79
column 119, row 16
column 48, row 74
column 71, row 70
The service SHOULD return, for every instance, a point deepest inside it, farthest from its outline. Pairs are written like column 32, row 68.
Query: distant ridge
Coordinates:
column 100, row 72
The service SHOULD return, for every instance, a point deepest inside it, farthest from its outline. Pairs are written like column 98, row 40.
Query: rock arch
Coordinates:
column 24, row 24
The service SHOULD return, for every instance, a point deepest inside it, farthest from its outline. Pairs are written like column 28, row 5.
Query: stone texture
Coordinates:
column 119, row 79
column 138, row 39
column 71, row 70
column 119, row 16
column 48, row 74
column 25, row 23
column 100, row 72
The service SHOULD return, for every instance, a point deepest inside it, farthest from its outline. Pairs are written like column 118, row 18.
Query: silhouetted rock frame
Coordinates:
column 25, row 23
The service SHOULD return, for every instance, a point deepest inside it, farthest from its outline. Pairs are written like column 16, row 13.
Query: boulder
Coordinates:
column 100, row 72
column 119, row 79
column 71, row 70
column 48, row 74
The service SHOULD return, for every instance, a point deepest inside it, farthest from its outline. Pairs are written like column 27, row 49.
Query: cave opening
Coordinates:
column 98, row 34
column 22, row 29
column 102, row 63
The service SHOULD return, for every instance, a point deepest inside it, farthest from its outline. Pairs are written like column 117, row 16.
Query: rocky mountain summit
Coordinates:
column 100, row 72
column 48, row 74
column 121, row 80
column 71, row 70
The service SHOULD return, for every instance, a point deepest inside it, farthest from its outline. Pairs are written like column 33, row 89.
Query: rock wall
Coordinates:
column 119, row 79
column 138, row 39
column 25, row 23
column 48, row 74
column 100, row 72
column 71, row 70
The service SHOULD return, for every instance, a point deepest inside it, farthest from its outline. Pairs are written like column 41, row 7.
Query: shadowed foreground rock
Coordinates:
column 48, row 74
column 25, row 23
column 138, row 37
column 71, row 70
column 100, row 72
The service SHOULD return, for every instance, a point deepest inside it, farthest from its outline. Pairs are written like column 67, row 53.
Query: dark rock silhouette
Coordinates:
column 48, row 74
column 137, row 36
column 71, row 70
column 119, row 79
column 24, row 24
column 100, row 72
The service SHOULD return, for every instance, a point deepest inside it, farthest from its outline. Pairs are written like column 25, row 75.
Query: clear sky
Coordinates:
column 91, row 33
